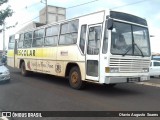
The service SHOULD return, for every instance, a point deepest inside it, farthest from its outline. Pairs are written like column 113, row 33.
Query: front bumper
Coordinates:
column 4, row 77
column 111, row 80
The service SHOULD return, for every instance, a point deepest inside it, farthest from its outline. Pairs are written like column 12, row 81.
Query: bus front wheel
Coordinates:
column 75, row 78
column 24, row 72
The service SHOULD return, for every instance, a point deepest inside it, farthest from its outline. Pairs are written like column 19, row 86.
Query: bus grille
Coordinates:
column 129, row 65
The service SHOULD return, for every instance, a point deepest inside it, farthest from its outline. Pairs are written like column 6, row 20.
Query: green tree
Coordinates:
column 7, row 12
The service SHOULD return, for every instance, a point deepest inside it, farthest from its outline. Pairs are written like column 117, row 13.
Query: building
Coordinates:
column 54, row 14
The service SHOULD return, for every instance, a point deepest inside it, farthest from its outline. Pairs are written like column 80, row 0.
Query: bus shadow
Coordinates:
column 48, row 78
column 118, row 90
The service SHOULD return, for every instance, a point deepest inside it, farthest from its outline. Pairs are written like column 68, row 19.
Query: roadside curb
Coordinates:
column 149, row 84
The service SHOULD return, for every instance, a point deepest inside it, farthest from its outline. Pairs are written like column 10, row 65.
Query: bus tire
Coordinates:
column 75, row 78
column 24, row 72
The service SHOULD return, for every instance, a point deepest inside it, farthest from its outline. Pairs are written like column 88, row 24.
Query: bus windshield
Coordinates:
column 128, row 39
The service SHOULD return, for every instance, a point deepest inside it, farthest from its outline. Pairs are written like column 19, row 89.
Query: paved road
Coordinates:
column 40, row 92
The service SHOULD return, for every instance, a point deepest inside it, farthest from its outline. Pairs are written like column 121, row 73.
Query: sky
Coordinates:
column 26, row 11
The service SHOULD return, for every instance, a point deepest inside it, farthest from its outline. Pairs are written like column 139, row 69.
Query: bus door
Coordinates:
column 15, row 52
column 92, row 52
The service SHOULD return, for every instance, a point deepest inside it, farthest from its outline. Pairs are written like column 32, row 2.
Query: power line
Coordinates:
column 32, row 5
column 82, row 4
column 27, row 7
column 32, row 19
column 89, row 3
column 129, row 4
column 66, row 8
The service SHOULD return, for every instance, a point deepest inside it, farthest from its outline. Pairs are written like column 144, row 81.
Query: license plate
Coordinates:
column 136, row 79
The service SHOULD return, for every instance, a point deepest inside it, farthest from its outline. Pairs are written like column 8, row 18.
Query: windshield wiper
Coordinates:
column 139, row 49
column 129, row 48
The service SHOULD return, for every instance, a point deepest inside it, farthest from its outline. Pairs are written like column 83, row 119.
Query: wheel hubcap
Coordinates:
column 74, row 77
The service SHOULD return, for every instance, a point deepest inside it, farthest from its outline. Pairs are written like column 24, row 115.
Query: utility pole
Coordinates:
column 46, row 9
column 46, row 12
column 3, row 38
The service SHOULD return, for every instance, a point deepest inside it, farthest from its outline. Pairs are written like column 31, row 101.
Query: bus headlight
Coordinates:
column 111, row 70
column 145, row 70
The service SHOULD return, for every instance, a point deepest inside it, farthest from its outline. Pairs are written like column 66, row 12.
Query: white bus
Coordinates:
column 105, row 47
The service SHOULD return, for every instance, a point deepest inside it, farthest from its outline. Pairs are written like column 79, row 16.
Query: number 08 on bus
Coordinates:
column 104, row 47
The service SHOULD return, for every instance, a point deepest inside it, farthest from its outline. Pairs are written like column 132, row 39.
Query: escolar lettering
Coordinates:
column 26, row 52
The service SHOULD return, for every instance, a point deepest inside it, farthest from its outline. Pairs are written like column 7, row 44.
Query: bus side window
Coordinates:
column 51, row 36
column 69, row 33
column 83, row 38
column 27, row 40
column 94, row 40
column 20, row 41
column 38, row 38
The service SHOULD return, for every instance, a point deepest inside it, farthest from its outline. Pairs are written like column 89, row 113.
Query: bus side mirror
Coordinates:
column 110, row 24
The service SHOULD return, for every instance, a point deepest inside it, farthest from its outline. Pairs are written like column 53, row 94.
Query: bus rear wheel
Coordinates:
column 24, row 72
column 75, row 78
